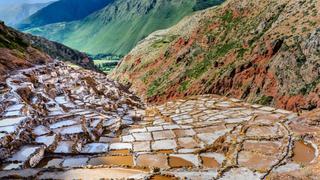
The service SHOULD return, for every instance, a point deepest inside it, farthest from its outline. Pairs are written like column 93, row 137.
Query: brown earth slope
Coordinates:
column 264, row 51
column 16, row 53
column 19, row 50
column 60, row 51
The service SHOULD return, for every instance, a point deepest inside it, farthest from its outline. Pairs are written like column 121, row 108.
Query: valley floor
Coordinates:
column 59, row 122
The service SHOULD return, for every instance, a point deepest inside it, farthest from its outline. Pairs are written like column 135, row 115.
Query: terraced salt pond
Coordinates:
column 303, row 152
column 11, row 121
column 89, row 127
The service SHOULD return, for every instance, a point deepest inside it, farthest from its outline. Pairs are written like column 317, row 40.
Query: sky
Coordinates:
column 22, row 1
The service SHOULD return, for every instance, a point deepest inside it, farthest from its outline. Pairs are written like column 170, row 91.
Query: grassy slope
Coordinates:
column 120, row 35
column 118, row 27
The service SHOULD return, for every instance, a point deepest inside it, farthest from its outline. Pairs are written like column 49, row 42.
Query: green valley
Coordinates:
column 118, row 27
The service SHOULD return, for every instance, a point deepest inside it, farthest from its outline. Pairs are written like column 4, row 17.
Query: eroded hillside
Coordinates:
column 265, row 51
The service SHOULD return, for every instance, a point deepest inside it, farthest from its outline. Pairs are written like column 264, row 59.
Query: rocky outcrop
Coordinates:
column 265, row 52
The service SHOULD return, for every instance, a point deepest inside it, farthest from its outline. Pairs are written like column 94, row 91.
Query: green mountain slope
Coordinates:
column 119, row 26
column 63, row 11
